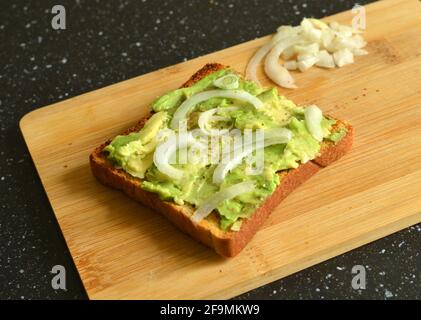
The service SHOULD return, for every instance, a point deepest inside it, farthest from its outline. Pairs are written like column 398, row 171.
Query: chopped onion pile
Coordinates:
column 311, row 43
column 228, row 193
column 188, row 104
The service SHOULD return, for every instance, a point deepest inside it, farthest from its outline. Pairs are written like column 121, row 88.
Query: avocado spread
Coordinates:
column 134, row 153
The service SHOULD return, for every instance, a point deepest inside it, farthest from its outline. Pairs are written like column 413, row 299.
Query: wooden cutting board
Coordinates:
column 123, row 250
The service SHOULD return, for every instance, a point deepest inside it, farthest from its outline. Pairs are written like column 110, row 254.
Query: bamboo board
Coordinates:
column 123, row 250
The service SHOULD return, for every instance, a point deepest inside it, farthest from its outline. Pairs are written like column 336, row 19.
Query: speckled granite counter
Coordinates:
column 110, row 41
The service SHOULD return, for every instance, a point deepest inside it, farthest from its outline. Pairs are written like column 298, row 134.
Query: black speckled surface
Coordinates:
column 109, row 41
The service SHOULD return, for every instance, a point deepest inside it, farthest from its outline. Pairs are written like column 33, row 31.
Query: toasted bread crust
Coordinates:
column 225, row 243
column 331, row 151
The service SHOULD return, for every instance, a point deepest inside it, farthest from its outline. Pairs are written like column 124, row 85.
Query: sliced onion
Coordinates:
column 228, row 82
column 283, row 33
column 207, row 116
column 165, row 151
column 272, row 136
column 276, row 72
column 188, row 104
column 226, row 194
column 313, row 118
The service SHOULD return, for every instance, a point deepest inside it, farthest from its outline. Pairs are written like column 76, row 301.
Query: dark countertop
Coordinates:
column 110, row 41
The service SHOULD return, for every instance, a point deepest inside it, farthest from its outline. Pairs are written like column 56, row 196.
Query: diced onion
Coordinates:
column 313, row 43
column 271, row 137
column 306, row 49
column 306, row 62
column 228, row 82
column 226, row 194
column 291, row 65
column 313, row 118
column 325, row 60
column 343, row 57
column 182, row 111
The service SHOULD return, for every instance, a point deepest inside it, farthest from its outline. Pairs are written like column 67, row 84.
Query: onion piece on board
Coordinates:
column 274, row 70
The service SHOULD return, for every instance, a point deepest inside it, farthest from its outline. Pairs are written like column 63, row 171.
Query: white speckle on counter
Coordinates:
column 341, row 268
column 383, row 251
column 388, row 294
column 64, row 60
column 401, row 244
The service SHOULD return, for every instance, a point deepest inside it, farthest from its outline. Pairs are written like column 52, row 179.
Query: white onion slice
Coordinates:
column 166, row 150
column 187, row 105
column 272, row 136
column 283, row 33
column 276, row 72
column 313, row 118
column 208, row 115
column 226, row 194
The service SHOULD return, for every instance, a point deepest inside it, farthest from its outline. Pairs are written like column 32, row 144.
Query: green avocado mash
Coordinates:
column 134, row 152
column 338, row 135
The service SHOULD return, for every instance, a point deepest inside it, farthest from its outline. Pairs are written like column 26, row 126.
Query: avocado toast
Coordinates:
column 132, row 161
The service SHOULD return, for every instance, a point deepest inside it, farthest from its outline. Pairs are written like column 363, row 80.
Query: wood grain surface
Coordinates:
column 125, row 251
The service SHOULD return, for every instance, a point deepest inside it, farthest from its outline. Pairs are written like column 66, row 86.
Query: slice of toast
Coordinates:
column 226, row 243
